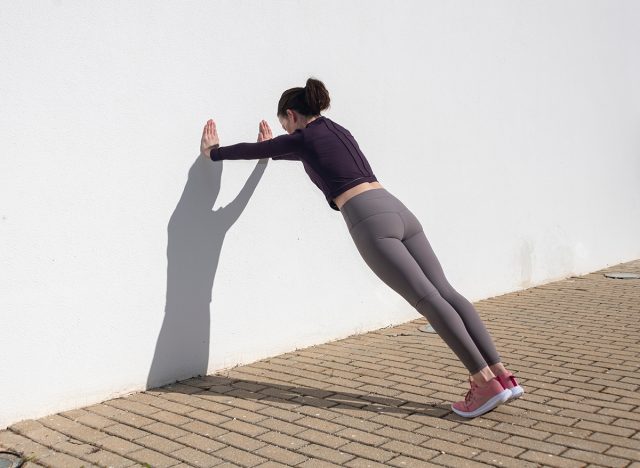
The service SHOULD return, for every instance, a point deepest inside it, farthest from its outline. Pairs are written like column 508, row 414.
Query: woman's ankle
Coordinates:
column 483, row 376
column 498, row 368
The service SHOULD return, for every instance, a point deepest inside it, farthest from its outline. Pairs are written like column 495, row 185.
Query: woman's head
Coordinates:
column 299, row 105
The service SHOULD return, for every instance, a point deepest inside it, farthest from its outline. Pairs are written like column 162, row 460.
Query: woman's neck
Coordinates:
column 312, row 119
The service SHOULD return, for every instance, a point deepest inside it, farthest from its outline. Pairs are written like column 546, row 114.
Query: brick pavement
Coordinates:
column 382, row 398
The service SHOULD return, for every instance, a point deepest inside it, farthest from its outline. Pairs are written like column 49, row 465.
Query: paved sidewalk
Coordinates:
column 382, row 398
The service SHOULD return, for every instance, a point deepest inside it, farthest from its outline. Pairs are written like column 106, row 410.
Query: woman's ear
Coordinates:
column 292, row 116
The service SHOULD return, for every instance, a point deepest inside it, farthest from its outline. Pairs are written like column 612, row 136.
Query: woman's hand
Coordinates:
column 264, row 131
column 209, row 138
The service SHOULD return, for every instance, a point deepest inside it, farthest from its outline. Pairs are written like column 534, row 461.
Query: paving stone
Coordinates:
column 325, row 453
column 279, row 454
column 196, row 458
column 322, row 438
column 548, row 459
column 26, row 426
column 240, row 441
column 165, row 430
column 238, row 456
column 279, row 425
column 498, row 459
column 364, row 463
column 593, row 457
column 204, row 429
column 124, row 431
column 204, row 444
column 576, row 442
column 105, row 458
column 75, row 448
column 371, row 453
column 451, row 448
column 153, row 458
column 621, row 452
column 28, row 448
column 159, row 444
column 392, row 433
column 317, row 463
column 403, row 461
column 62, row 460
column 361, row 436
column 410, row 450
column 454, row 461
column 118, row 445
column 494, row 447
column 46, row 436
column 282, row 440
column 248, row 429
column 88, row 418
column 271, row 464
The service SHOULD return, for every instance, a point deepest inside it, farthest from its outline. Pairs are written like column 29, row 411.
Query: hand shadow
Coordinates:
column 195, row 237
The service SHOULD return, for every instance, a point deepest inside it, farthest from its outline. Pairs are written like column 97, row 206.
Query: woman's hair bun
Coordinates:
column 316, row 96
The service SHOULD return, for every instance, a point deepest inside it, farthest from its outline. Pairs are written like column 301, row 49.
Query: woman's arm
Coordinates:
column 287, row 146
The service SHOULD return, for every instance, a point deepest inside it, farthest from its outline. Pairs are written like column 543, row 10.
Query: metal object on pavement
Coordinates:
column 622, row 275
column 10, row 459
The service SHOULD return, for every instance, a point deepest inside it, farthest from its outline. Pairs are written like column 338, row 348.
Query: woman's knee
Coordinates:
column 441, row 292
column 428, row 297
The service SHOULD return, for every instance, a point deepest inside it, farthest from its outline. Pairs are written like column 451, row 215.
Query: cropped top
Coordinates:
column 329, row 153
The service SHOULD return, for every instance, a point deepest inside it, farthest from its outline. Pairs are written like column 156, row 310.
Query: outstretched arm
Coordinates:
column 280, row 147
column 287, row 146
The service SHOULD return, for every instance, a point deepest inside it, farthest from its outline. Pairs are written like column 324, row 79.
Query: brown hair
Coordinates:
column 309, row 100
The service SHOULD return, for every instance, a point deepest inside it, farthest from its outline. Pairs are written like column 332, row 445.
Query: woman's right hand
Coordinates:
column 264, row 131
column 209, row 138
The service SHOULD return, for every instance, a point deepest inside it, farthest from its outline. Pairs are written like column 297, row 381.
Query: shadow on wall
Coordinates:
column 195, row 237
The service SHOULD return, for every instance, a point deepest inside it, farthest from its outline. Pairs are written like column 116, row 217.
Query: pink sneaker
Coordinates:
column 510, row 383
column 480, row 399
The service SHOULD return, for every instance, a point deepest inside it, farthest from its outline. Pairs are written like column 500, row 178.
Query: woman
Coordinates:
column 386, row 233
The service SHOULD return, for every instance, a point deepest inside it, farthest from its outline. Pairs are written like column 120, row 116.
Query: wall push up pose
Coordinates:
column 388, row 236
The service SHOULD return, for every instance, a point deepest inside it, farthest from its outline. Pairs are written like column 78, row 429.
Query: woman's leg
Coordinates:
column 379, row 241
column 420, row 249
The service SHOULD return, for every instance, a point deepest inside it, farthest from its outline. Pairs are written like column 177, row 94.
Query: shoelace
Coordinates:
column 469, row 396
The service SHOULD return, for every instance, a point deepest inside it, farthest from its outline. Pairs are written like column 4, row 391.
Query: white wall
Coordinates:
column 509, row 128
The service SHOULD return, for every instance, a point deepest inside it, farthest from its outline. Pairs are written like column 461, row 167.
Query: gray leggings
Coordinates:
column 391, row 241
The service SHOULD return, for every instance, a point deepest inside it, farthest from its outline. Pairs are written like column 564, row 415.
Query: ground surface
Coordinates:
column 382, row 398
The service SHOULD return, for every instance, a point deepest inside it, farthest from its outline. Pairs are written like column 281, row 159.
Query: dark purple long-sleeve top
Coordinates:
column 329, row 153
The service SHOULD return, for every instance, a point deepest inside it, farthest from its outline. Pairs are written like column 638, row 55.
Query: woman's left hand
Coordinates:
column 264, row 131
column 209, row 138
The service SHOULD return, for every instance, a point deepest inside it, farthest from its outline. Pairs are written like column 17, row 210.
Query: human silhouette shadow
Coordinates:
column 289, row 396
column 195, row 237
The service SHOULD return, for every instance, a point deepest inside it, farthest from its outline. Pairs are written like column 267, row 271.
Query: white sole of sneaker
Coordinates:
column 494, row 401
column 516, row 392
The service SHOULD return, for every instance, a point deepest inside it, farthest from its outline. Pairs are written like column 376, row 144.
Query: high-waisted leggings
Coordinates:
column 393, row 244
